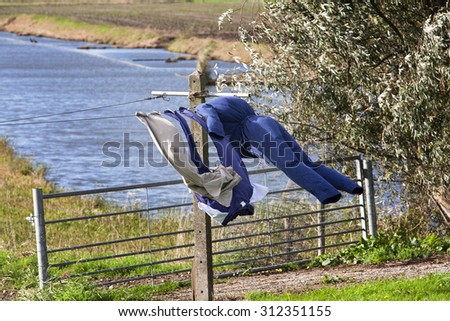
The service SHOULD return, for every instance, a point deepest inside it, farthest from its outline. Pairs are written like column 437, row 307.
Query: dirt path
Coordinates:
column 305, row 280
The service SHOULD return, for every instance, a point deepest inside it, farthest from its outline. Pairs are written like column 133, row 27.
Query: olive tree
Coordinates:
column 361, row 76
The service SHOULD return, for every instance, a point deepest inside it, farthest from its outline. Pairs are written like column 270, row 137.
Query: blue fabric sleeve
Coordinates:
column 212, row 119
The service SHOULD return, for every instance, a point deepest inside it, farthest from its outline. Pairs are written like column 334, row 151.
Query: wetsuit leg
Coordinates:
column 266, row 134
column 338, row 180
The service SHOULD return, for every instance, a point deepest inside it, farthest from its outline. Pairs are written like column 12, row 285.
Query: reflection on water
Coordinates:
column 42, row 76
column 52, row 76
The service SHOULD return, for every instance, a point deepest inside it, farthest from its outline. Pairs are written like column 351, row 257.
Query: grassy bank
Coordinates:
column 19, row 282
column 17, row 178
column 69, row 29
column 18, row 263
column 179, row 27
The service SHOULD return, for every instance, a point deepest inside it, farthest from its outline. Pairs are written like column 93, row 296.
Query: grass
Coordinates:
column 18, row 263
column 71, row 29
column 17, row 177
column 19, row 278
column 18, row 275
column 109, row 2
column 434, row 287
column 17, row 271
column 84, row 291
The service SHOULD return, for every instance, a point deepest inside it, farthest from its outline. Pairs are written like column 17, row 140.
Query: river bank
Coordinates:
column 177, row 28
column 17, row 178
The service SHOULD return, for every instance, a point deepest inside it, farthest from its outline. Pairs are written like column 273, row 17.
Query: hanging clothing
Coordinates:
column 224, row 192
column 216, row 183
column 263, row 137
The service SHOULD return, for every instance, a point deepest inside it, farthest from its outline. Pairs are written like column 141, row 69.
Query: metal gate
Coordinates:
column 114, row 243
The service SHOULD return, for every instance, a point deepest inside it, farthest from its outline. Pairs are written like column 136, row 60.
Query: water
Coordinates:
column 53, row 76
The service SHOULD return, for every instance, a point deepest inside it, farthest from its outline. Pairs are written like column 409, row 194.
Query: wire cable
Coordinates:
column 65, row 120
column 4, row 122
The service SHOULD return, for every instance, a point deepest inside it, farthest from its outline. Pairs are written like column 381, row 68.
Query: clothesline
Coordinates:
column 237, row 132
column 19, row 121
column 207, row 94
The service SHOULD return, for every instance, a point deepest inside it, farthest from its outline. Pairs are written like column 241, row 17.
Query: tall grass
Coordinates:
column 17, row 177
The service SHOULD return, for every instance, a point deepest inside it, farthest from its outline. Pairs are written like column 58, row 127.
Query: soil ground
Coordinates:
column 187, row 19
column 178, row 27
column 304, row 280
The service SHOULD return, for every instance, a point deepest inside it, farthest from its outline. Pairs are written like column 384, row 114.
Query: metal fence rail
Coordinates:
column 138, row 244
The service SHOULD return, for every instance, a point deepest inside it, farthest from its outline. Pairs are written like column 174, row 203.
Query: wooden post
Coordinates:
column 202, row 274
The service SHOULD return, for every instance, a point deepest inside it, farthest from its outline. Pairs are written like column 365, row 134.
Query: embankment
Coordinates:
column 118, row 36
column 17, row 178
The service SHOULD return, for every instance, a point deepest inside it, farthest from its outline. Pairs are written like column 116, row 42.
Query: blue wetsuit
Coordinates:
column 261, row 136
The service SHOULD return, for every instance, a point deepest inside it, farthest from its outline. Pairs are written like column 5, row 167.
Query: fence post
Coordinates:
column 202, row 273
column 361, row 198
column 370, row 197
column 41, row 241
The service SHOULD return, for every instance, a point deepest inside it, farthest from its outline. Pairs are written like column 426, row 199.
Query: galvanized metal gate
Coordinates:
column 179, row 241
column 287, row 228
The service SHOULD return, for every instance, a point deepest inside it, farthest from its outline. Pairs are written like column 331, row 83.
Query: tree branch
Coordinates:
column 382, row 60
column 386, row 19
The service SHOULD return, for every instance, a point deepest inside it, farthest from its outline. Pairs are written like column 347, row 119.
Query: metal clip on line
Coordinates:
column 163, row 96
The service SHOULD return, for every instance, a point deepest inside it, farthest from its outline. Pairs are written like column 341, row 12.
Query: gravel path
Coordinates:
column 304, row 280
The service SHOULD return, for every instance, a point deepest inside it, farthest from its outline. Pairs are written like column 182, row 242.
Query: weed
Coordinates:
column 333, row 279
column 384, row 248
column 17, row 271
